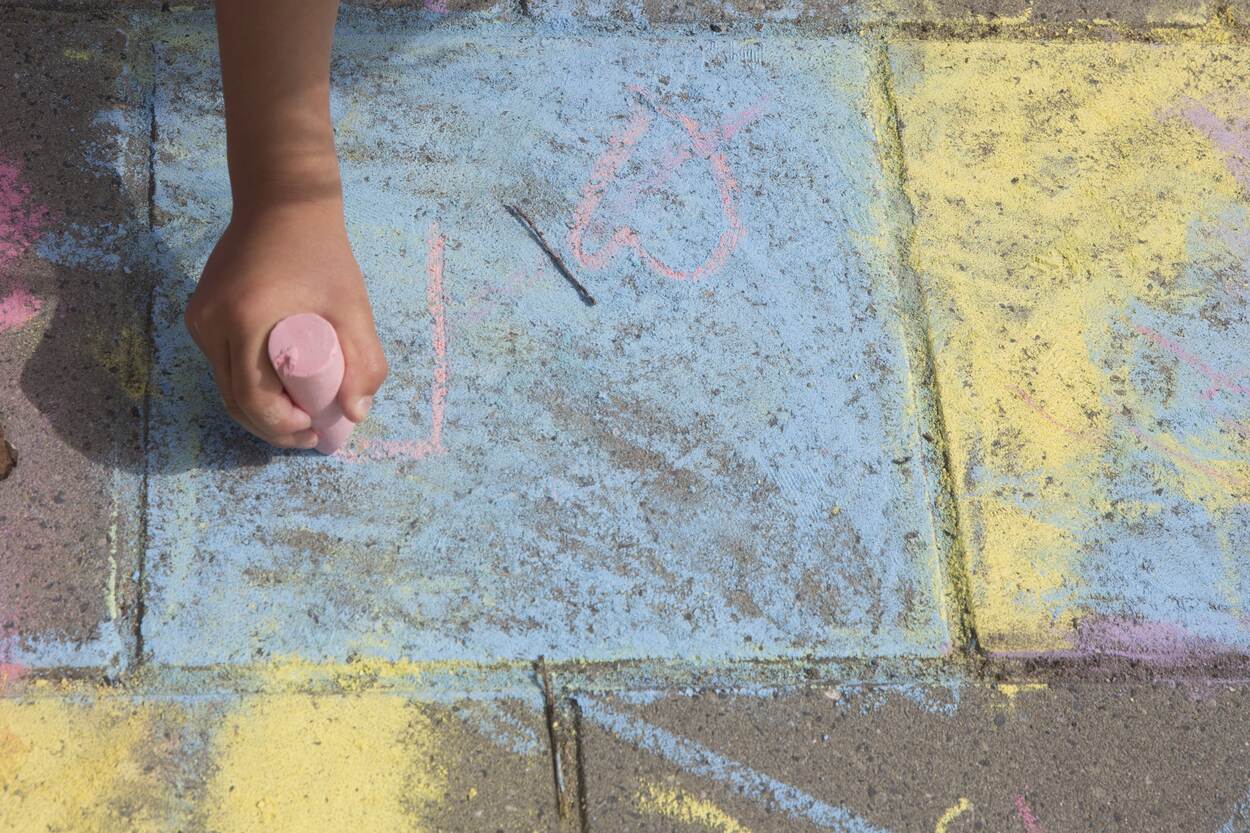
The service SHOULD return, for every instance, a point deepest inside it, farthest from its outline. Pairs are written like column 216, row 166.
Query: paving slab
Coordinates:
column 949, row 758
column 73, row 337
column 719, row 458
column 1080, row 233
column 97, row 760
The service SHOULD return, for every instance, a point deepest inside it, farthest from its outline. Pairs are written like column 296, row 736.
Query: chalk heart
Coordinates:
column 703, row 145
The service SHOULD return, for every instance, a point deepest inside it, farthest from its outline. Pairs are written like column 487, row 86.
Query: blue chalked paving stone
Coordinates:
column 717, row 459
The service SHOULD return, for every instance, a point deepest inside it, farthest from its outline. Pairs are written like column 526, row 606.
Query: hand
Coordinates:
column 270, row 263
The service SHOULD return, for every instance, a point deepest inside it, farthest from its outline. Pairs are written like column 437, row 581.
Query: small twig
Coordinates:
column 537, row 235
column 553, row 726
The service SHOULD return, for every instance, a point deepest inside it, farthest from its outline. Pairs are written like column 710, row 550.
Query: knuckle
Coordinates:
column 262, row 410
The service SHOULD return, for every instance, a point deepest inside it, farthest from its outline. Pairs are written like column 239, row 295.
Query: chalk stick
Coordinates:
column 305, row 353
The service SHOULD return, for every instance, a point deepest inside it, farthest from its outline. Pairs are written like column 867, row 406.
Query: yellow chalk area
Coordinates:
column 125, row 356
column 77, row 54
column 310, row 764
column 953, row 812
column 1013, row 690
column 1053, row 188
column 84, row 760
column 79, row 767
column 677, row 805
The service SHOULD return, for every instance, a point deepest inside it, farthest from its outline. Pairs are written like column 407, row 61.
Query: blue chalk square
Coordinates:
column 703, row 463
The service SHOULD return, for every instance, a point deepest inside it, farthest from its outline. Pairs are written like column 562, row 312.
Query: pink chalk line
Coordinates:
column 1025, row 814
column 20, row 227
column 621, row 147
column 1185, row 459
column 1027, row 399
column 1219, row 381
column 1177, row 456
column 419, row 449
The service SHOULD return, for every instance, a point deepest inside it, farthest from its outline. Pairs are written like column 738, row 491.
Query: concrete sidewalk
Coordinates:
column 897, row 478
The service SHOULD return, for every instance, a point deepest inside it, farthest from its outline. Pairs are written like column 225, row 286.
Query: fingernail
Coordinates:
column 363, row 405
column 306, row 439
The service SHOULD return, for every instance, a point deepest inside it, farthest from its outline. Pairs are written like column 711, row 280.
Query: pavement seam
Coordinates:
column 579, row 751
column 925, row 387
column 141, row 557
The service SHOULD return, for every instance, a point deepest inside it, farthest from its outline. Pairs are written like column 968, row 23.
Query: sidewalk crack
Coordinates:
column 926, row 386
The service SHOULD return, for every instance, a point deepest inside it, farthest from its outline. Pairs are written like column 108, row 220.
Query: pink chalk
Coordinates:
column 304, row 351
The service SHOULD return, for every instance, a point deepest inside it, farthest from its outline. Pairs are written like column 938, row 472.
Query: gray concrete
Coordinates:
column 73, row 344
column 1072, row 756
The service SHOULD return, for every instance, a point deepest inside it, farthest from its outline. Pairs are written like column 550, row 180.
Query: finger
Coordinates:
column 218, row 355
column 262, row 399
column 364, row 364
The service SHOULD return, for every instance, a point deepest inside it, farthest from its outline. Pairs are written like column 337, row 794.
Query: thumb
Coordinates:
column 364, row 365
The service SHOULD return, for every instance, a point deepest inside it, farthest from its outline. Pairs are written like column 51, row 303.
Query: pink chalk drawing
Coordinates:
column 20, row 227
column 1232, row 136
column 703, row 144
column 367, row 449
column 1023, row 812
column 435, row 6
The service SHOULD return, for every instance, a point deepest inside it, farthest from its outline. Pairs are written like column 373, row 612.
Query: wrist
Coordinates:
column 285, row 175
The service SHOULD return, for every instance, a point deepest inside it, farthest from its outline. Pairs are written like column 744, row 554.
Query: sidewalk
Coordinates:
column 897, row 477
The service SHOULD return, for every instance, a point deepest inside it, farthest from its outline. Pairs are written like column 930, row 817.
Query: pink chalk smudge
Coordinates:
column 18, row 308
column 433, row 444
column 20, row 222
column 621, row 147
column 1025, row 814
column 1232, row 136
column 435, row 6
column 485, row 300
column 20, row 227
column 1133, row 638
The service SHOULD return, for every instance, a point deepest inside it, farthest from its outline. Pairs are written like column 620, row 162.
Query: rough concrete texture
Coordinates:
column 73, row 183
column 652, row 476
column 813, row 14
column 902, row 348
column 952, row 759
column 94, row 760
column 1080, row 231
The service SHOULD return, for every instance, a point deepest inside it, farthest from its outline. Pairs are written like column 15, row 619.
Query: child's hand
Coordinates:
column 269, row 264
